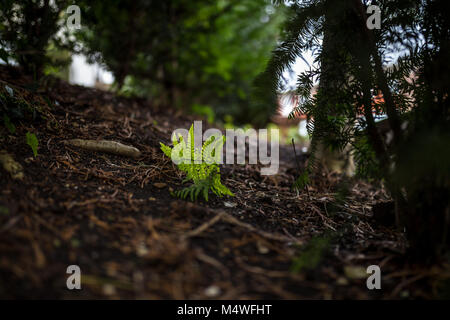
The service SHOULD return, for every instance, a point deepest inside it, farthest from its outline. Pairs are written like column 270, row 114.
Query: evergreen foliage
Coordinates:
column 26, row 30
column 355, row 64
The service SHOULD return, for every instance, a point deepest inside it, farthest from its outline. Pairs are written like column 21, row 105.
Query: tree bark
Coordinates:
column 393, row 117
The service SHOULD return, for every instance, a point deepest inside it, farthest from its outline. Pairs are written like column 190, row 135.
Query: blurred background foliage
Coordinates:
column 28, row 29
column 201, row 56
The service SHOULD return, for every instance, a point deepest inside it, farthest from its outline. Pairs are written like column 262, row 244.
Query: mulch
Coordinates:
column 115, row 217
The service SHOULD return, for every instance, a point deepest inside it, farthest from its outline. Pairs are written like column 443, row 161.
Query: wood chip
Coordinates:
column 160, row 185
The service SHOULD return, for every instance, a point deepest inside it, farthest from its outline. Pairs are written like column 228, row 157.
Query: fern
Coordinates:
column 200, row 166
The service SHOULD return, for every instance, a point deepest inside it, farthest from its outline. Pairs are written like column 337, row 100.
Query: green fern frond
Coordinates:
column 167, row 150
column 200, row 166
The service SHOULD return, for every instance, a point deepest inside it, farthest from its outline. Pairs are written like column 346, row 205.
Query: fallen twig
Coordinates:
column 205, row 226
column 105, row 146
column 278, row 237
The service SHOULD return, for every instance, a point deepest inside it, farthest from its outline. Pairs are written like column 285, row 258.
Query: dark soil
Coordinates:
column 133, row 239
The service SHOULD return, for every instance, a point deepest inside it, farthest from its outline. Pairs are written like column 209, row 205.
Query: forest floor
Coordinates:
column 115, row 217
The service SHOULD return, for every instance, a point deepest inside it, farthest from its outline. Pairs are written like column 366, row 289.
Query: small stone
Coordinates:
column 160, row 185
column 109, row 289
column 230, row 204
column 342, row 281
column 212, row 291
column 152, row 199
column 141, row 250
column 10, row 90
column 355, row 272
column 262, row 249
